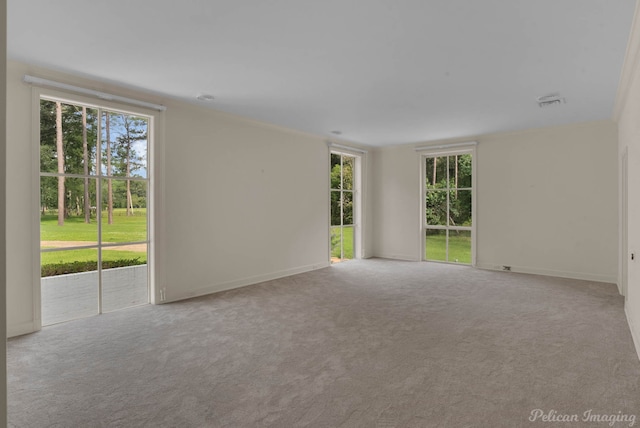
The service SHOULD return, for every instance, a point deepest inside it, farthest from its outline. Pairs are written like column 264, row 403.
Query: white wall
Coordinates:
column 244, row 202
column 20, row 315
column 396, row 203
column 240, row 201
column 628, row 116
column 546, row 201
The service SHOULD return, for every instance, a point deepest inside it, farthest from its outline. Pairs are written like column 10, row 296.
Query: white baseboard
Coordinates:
column 20, row 329
column 230, row 285
column 404, row 257
column 635, row 332
column 610, row 279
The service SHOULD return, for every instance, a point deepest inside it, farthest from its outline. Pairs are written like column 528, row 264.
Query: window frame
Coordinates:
column 154, row 180
column 442, row 151
column 357, row 198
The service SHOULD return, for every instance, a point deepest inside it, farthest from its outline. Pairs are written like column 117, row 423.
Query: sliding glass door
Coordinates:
column 94, row 185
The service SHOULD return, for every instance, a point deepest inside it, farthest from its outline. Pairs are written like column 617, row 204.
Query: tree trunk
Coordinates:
column 456, row 176
column 109, row 183
column 435, row 163
column 85, row 159
column 129, row 201
column 60, row 154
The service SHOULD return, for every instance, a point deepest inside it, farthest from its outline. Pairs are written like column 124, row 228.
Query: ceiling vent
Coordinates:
column 550, row 100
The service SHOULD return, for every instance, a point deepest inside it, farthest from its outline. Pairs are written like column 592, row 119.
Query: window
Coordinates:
column 448, row 195
column 93, row 209
column 344, row 172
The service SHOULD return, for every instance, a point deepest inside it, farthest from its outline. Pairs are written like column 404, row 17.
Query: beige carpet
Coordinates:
column 370, row 343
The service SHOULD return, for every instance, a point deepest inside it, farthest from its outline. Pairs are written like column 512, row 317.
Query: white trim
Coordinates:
column 453, row 149
column 154, row 181
column 635, row 334
column 359, row 160
column 468, row 144
column 401, row 257
column 623, row 221
column 22, row 328
column 609, row 279
column 90, row 92
column 341, row 148
column 35, row 209
column 243, row 282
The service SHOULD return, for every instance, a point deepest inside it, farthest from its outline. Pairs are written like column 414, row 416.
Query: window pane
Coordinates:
column 124, row 145
column 460, row 246
column 347, row 208
column 453, row 172
column 69, row 285
column 72, row 223
column 348, row 234
column 436, row 245
column 460, row 211
column 78, row 130
column 126, row 221
column 335, row 208
column 436, row 207
column 464, row 171
column 348, row 163
column 336, row 182
column 436, row 172
column 336, row 243
column 124, row 277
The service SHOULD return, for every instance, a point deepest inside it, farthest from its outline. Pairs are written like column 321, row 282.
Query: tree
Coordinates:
column 128, row 160
column 85, row 158
column 60, row 154
column 342, row 189
column 73, row 122
column 109, row 182
column 446, row 203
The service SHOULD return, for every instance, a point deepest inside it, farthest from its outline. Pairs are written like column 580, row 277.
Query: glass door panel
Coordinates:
column 94, row 183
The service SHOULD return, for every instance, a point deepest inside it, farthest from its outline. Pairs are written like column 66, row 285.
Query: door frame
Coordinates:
column 624, row 222
column 155, row 156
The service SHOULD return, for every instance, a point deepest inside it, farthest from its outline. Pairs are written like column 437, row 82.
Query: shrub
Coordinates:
column 77, row 267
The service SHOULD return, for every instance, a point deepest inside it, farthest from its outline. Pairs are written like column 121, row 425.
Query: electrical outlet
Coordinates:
column 163, row 294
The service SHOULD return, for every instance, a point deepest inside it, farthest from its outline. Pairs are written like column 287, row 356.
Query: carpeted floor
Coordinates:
column 367, row 343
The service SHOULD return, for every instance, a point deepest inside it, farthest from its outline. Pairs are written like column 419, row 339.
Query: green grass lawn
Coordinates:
column 347, row 244
column 459, row 247
column 123, row 229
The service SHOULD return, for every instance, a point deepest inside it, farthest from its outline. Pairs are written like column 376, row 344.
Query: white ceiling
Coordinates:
column 381, row 71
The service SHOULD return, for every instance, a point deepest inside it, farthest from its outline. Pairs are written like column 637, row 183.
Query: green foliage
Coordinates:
column 444, row 180
column 126, row 132
column 342, row 167
column 86, row 266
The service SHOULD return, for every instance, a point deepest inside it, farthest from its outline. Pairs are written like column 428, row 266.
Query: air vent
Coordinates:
column 550, row 100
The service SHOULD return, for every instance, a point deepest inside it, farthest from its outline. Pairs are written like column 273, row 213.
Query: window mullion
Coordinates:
column 99, row 205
